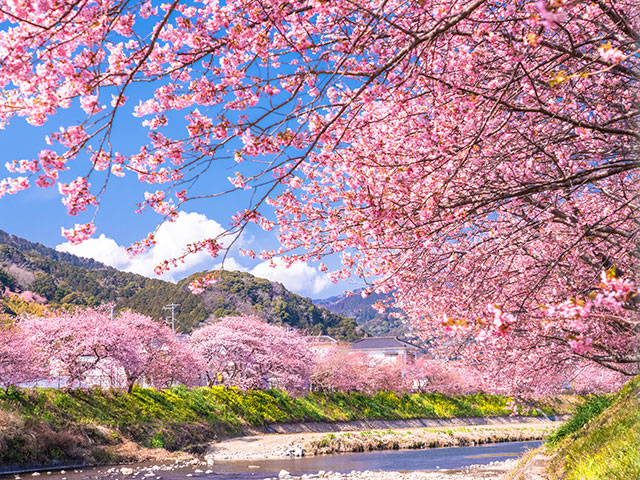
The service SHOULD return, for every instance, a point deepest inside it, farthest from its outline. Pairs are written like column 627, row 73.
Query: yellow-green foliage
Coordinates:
column 13, row 305
column 179, row 418
column 231, row 405
column 607, row 447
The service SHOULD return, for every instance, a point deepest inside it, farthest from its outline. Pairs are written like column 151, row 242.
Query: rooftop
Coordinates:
column 322, row 339
column 382, row 342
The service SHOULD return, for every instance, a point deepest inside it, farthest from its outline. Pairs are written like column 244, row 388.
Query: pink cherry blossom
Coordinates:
column 455, row 154
column 125, row 348
column 19, row 362
column 79, row 233
column 247, row 353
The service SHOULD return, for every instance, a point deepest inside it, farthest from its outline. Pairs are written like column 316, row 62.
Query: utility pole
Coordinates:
column 172, row 307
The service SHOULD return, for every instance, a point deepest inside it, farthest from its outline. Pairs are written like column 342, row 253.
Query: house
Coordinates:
column 387, row 349
column 321, row 343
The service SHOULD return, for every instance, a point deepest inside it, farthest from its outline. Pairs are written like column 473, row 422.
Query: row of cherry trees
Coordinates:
column 89, row 346
column 92, row 345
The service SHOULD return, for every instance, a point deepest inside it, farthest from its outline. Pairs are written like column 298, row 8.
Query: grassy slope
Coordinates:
column 601, row 444
column 44, row 425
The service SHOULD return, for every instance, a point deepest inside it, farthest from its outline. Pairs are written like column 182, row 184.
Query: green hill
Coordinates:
column 62, row 281
column 65, row 279
column 237, row 293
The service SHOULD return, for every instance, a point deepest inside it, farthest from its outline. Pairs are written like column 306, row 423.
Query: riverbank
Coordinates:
column 601, row 441
column 50, row 427
column 274, row 446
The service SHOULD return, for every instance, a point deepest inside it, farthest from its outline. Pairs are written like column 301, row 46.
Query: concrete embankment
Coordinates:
column 360, row 425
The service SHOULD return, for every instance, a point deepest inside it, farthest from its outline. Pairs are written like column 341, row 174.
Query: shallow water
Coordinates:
column 394, row 460
column 390, row 460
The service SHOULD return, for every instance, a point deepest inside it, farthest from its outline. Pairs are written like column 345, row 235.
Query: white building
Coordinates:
column 387, row 349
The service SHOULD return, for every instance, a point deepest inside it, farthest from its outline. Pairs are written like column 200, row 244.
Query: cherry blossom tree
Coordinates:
column 19, row 363
column 125, row 349
column 476, row 158
column 73, row 343
column 248, row 353
column 146, row 349
column 341, row 369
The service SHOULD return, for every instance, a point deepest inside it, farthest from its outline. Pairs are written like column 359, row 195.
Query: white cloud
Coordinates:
column 171, row 240
column 103, row 249
column 299, row 277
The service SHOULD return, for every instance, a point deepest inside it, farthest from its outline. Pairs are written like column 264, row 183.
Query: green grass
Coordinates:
column 117, row 409
column 591, row 408
column 180, row 418
column 602, row 441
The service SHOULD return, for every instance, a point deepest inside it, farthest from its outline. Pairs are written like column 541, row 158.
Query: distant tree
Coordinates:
column 534, row 368
column 7, row 281
column 18, row 360
column 248, row 353
column 44, row 285
column 450, row 378
column 592, row 378
column 338, row 368
column 126, row 348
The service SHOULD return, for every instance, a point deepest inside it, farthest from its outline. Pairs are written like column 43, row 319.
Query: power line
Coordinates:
column 172, row 307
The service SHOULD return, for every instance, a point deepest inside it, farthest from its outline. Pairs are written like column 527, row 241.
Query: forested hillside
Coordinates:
column 61, row 282
column 369, row 319
column 62, row 257
column 64, row 279
column 242, row 293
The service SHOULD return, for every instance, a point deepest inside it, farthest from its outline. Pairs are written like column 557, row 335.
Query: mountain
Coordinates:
column 65, row 279
column 26, row 246
column 241, row 293
column 392, row 322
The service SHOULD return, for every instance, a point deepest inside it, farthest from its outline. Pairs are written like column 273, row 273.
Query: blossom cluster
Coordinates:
column 456, row 153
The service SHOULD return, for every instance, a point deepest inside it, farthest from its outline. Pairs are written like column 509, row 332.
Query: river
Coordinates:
column 394, row 460
column 389, row 460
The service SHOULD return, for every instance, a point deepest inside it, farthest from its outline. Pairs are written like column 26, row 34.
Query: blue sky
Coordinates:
column 37, row 214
